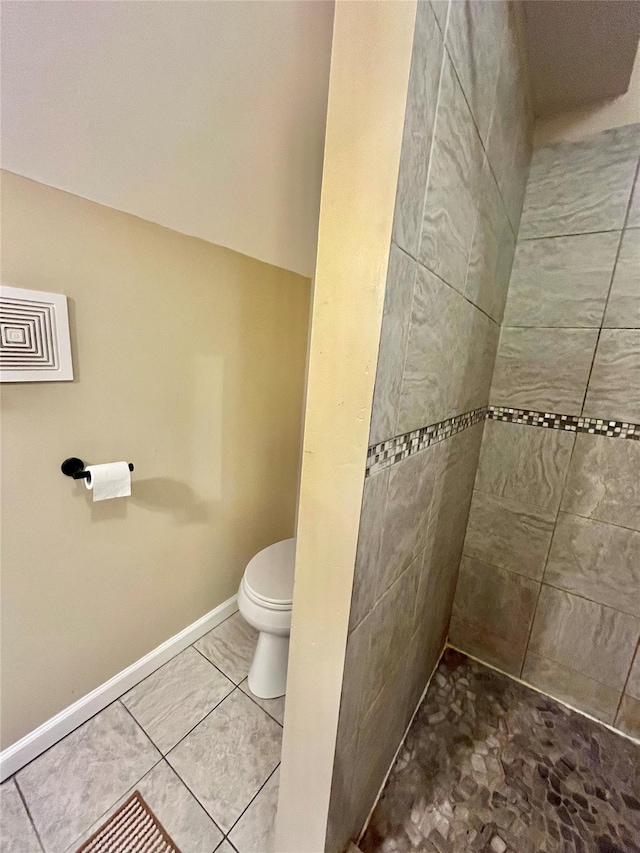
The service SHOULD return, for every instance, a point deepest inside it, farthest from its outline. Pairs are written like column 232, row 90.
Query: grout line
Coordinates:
column 613, row 272
column 570, row 234
column 535, row 689
column 242, row 813
column 626, row 681
column 254, row 699
column 26, row 807
column 202, row 654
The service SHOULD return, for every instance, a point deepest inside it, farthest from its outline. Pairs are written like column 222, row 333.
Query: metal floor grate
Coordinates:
column 133, row 828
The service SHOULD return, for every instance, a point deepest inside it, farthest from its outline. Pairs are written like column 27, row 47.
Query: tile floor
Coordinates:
column 490, row 766
column 203, row 752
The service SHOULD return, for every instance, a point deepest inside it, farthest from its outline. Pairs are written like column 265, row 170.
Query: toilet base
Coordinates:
column 268, row 673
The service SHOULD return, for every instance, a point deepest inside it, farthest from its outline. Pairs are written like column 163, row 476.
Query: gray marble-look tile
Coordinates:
column 474, row 40
column 355, row 670
column 365, row 578
column 450, row 354
column 623, row 308
column 452, row 492
column 525, row 464
column 396, row 318
column 452, row 190
column 273, row 707
column 603, row 481
column 584, row 636
column 70, row 785
column 225, row 847
column 543, row 369
column 628, row 717
column 378, row 739
column 171, row 701
column 633, row 220
column 390, row 630
column 16, row 830
column 597, row 560
column 491, row 250
column 406, row 516
column 633, row 684
column 255, row 831
column 498, row 602
column 578, row 187
column 485, row 645
column 441, row 11
column 561, row 281
column 509, row 534
column 571, row 687
column 228, row 756
column 511, row 133
column 184, row 819
column 230, row 647
column 614, row 385
column 419, row 122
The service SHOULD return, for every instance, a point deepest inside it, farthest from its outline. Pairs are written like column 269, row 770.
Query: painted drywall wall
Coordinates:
column 573, row 125
column 369, row 72
column 189, row 362
column 207, row 118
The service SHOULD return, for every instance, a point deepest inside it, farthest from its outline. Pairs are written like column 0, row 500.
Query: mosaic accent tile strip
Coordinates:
column 571, row 423
column 393, row 450
column 380, row 456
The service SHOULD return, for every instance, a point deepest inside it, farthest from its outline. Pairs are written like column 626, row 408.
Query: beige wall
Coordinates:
column 189, row 362
column 573, row 125
column 369, row 72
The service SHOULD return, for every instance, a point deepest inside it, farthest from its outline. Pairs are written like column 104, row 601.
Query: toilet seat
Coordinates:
column 268, row 578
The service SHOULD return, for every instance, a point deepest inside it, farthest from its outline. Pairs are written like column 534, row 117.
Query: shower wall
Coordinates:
column 549, row 584
column 462, row 176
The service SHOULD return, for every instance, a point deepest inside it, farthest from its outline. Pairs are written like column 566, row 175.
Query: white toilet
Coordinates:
column 265, row 599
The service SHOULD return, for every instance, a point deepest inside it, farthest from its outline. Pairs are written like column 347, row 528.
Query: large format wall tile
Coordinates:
column 491, row 251
column 492, row 648
column 511, row 131
column 374, row 499
column 498, row 602
column 406, row 516
column 589, row 638
column 614, row 386
column 525, row 464
column 448, row 363
column 604, row 480
column 452, row 190
column 633, row 685
column 561, row 281
column 579, row 187
column 623, row 308
column 509, row 534
column 396, row 317
column 475, row 28
column 419, row 121
column 633, row 220
column 543, row 369
column 596, row 560
column 391, row 629
column 571, row 686
column 628, row 719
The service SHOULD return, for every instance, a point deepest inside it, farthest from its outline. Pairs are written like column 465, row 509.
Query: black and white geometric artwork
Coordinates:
column 34, row 336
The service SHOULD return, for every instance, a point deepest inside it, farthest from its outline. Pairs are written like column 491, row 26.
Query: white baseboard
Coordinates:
column 31, row 745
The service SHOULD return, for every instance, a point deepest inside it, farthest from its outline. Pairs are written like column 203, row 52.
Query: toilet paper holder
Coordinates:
column 74, row 467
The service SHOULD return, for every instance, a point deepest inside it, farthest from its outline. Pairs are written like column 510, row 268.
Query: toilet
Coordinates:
column 265, row 599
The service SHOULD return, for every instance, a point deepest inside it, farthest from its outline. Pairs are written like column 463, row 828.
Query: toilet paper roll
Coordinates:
column 111, row 480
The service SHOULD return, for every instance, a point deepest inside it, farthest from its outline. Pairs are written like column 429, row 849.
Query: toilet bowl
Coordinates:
column 265, row 599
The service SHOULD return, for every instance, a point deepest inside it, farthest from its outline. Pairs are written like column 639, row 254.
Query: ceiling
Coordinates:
column 205, row 117
column 580, row 51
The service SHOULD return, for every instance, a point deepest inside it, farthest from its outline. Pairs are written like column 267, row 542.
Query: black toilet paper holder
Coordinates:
column 74, row 467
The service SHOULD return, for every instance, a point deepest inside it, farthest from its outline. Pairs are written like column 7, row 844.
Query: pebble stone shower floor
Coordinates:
column 490, row 766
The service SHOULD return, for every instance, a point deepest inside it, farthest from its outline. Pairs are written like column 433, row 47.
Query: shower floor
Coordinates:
column 492, row 766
